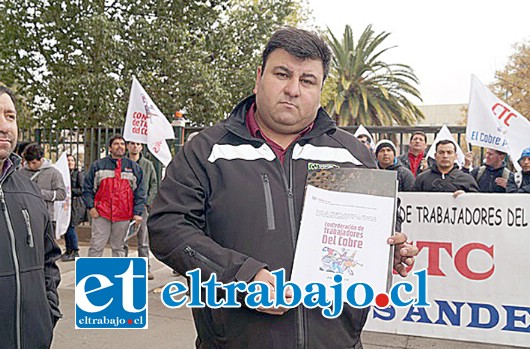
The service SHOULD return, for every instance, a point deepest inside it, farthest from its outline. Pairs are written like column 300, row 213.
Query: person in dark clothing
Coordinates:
column 444, row 175
column 231, row 200
column 492, row 177
column 29, row 275
column 78, row 212
column 519, row 182
column 385, row 152
column 416, row 158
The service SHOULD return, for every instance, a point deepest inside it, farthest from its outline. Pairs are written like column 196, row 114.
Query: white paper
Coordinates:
column 344, row 233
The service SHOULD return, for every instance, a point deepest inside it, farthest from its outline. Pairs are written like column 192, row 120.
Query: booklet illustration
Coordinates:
column 348, row 215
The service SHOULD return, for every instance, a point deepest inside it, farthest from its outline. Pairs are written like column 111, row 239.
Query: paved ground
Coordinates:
column 173, row 328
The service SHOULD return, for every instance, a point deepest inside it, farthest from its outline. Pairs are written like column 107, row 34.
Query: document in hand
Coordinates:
column 348, row 215
column 132, row 230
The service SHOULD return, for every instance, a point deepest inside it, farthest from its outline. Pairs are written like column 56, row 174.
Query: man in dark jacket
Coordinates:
column 231, row 200
column 492, row 177
column 519, row 182
column 29, row 275
column 385, row 152
column 416, row 158
column 114, row 196
column 444, row 176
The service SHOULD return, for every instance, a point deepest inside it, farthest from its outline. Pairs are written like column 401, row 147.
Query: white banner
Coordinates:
column 491, row 123
column 62, row 209
column 145, row 124
column 445, row 134
column 475, row 250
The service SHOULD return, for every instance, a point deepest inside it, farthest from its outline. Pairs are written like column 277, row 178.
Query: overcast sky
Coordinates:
column 443, row 41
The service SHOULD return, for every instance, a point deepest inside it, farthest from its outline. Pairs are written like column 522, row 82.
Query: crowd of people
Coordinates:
column 415, row 172
column 230, row 204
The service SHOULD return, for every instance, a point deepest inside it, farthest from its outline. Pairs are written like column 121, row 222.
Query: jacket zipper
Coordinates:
column 28, row 226
column 15, row 263
column 268, row 202
column 300, row 314
column 217, row 268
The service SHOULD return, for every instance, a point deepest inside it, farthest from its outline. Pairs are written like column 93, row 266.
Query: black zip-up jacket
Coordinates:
column 228, row 206
column 404, row 176
column 435, row 181
column 28, row 274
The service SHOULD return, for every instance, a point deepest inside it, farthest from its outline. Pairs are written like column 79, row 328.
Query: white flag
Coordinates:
column 62, row 209
column 444, row 134
column 146, row 124
column 361, row 130
column 491, row 123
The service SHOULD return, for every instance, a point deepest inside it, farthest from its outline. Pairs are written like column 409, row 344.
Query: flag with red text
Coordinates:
column 491, row 123
column 145, row 124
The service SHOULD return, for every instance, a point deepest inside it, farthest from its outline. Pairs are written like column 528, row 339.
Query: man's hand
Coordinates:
column 93, row 213
column 468, row 159
column 501, row 182
column 403, row 253
column 137, row 219
column 266, row 277
column 458, row 193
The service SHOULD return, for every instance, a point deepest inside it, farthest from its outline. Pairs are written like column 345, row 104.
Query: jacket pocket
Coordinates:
column 30, row 241
column 215, row 267
column 268, row 202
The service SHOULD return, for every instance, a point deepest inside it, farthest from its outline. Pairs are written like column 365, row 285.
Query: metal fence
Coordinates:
column 90, row 144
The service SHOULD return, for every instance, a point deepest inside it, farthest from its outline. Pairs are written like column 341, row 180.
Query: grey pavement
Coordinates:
column 173, row 328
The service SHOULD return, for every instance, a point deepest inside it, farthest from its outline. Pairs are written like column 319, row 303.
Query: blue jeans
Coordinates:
column 70, row 237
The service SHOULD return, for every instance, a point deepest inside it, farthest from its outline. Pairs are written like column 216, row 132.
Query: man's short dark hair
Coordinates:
column 445, row 141
column 10, row 93
column 301, row 44
column 421, row 133
column 115, row 137
column 33, row 152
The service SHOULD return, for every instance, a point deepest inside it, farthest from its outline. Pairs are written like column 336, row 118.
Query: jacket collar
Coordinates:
column 236, row 121
column 14, row 162
column 435, row 169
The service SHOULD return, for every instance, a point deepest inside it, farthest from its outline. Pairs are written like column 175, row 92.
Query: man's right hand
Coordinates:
column 266, row 277
column 468, row 159
column 93, row 212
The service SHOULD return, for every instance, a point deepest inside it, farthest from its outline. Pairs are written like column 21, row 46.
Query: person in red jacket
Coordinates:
column 114, row 195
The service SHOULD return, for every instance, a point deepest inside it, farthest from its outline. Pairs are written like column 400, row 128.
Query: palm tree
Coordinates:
column 368, row 90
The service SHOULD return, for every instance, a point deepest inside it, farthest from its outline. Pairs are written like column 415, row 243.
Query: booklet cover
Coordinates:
column 347, row 217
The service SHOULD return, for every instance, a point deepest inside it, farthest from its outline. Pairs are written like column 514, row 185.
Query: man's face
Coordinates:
column 417, row 143
column 445, row 156
column 117, row 148
column 287, row 93
column 493, row 158
column 134, row 148
column 34, row 164
column 8, row 127
column 386, row 157
column 525, row 163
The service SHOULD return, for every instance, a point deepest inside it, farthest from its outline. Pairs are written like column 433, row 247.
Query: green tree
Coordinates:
column 368, row 90
column 513, row 82
column 75, row 58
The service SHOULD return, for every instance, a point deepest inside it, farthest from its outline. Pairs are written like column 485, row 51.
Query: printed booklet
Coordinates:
column 348, row 215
